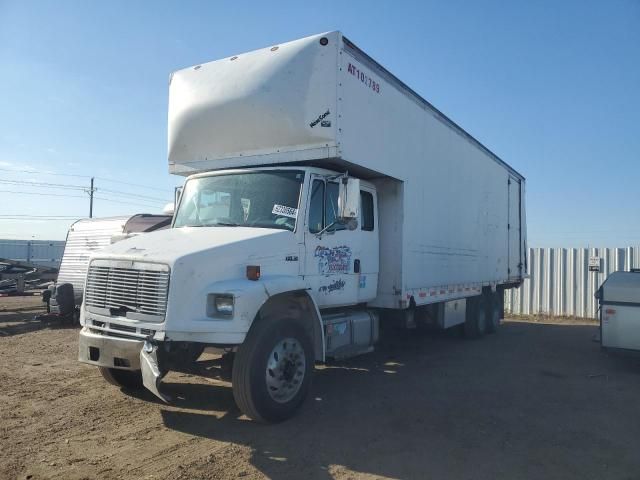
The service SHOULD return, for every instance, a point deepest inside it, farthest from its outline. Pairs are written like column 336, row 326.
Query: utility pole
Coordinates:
column 91, row 199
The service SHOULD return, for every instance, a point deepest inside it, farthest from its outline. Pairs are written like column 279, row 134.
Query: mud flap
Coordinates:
column 151, row 376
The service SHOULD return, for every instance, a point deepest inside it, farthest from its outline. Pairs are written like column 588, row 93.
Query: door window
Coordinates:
column 316, row 207
column 323, row 207
column 331, row 207
column 366, row 207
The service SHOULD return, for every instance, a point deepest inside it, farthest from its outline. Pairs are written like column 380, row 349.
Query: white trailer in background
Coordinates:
column 84, row 238
column 90, row 235
column 321, row 193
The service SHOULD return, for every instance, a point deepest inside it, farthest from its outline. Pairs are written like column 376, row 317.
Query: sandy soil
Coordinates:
column 537, row 400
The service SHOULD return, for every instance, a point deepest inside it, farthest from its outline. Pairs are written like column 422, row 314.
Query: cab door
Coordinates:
column 330, row 255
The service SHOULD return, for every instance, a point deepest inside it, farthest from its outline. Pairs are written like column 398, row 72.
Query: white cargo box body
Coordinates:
column 451, row 213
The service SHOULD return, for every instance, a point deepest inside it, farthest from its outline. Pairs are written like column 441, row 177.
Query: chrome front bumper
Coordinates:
column 111, row 352
column 125, row 354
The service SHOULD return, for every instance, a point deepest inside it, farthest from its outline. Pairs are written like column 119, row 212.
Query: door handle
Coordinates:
column 356, row 266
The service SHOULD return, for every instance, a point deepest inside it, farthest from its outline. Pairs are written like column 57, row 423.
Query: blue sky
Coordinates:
column 552, row 87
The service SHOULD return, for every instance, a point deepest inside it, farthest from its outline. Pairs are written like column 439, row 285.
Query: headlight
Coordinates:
column 219, row 305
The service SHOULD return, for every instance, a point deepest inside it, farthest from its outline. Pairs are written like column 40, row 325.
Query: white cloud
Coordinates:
column 16, row 166
column 21, row 167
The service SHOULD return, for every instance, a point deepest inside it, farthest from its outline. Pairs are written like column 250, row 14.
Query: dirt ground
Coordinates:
column 536, row 400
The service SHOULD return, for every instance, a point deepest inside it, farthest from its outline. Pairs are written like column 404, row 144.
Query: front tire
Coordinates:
column 272, row 370
column 129, row 379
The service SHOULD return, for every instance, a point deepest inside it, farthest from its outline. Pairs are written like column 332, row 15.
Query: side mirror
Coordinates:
column 169, row 208
column 349, row 200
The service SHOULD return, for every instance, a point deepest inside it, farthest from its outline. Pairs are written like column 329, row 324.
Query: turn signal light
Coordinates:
column 253, row 272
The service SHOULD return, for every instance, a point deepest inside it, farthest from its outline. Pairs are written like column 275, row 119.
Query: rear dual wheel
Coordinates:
column 483, row 314
column 475, row 325
column 493, row 304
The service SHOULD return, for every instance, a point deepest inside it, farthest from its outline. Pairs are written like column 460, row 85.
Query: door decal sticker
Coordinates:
column 335, row 286
column 333, row 260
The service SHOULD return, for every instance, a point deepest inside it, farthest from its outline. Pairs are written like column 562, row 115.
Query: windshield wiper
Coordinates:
column 224, row 224
column 217, row 224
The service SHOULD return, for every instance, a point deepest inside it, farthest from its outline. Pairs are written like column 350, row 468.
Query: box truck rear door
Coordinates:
column 514, row 229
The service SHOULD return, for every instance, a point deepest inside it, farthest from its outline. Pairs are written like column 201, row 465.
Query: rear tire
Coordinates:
column 475, row 325
column 65, row 298
column 272, row 370
column 494, row 310
column 129, row 379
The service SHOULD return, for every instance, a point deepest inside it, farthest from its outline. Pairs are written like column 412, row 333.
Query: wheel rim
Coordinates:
column 285, row 370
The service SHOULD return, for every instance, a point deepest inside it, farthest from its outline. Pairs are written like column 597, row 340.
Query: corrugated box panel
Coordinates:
column 560, row 282
column 41, row 252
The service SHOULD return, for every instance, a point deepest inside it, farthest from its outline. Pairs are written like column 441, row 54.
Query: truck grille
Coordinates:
column 127, row 289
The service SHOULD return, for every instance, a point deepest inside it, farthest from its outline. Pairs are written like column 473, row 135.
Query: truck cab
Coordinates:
column 245, row 244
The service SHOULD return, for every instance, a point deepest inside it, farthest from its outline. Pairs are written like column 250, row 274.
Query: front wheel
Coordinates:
column 272, row 370
column 129, row 379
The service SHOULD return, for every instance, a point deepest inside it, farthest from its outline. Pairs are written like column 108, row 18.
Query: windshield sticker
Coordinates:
column 333, row 260
column 285, row 211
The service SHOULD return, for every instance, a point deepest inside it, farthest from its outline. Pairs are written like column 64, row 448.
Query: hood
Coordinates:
column 172, row 245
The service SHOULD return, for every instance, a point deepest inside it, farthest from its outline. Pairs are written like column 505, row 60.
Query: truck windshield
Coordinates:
column 264, row 199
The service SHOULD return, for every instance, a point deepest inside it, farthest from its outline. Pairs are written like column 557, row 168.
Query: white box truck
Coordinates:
column 321, row 194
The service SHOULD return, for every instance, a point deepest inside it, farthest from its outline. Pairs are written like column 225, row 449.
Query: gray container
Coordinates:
column 46, row 253
column 620, row 311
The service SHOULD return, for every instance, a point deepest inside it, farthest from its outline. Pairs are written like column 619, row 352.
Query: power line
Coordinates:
column 104, row 179
column 145, row 201
column 43, row 217
column 132, row 184
column 45, row 194
column 43, row 172
column 127, row 203
column 131, row 194
column 45, row 184
column 80, row 196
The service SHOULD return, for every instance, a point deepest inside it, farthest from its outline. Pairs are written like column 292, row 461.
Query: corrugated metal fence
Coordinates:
column 560, row 282
column 41, row 252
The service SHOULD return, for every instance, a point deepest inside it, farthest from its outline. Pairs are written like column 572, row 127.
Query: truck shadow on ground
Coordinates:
column 426, row 406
